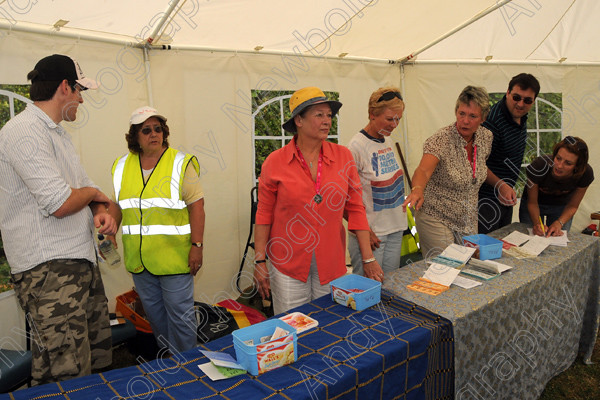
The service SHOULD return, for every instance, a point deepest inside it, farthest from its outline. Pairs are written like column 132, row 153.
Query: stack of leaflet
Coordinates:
column 520, row 245
column 461, row 257
column 455, row 260
column 443, row 270
column 486, row 269
column 560, row 241
column 221, row 366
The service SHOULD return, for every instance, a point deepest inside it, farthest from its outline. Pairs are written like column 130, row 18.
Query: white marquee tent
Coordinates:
column 197, row 62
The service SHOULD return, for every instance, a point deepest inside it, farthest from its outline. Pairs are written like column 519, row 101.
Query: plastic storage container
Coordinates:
column 489, row 248
column 258, row 357
column 130, row 306
column 343, row 291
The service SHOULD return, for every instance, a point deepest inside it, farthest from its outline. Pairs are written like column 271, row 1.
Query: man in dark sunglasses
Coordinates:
column 508, row 122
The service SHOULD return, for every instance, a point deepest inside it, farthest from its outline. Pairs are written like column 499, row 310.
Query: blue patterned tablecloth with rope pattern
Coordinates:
column 393, row 350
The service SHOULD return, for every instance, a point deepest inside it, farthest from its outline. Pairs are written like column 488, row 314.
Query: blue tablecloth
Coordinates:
column 394, row 350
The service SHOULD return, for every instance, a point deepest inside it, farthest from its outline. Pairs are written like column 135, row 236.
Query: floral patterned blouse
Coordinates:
column 452, row 191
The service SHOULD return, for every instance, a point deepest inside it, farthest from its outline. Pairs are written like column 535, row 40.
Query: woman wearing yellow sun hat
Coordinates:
column 304, row 191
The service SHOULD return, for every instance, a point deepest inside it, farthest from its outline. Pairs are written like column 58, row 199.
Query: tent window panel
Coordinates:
column 265, row 124
column 544, row 130
column 549, row 109
column 262, row 149
column 270, row 109
column 13, row 100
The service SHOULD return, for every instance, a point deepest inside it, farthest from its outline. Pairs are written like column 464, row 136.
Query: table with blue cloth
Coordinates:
column 393, row 350
column 515, row 332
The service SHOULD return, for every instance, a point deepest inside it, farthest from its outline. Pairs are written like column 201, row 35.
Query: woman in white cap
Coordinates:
column 382, row 180
column 162, row 202
column 305, row 189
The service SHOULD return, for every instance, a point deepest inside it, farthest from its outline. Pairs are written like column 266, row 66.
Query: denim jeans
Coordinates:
column 550, row 212
column 169, row 305
column 387, row 255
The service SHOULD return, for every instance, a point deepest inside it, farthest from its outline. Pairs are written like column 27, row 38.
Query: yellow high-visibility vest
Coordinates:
column 156, row 223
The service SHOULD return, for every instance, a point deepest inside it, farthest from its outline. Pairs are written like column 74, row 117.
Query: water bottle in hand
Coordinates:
column 110, row 254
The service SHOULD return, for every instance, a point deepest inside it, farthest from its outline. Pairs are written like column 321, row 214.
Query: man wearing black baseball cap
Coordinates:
column 49, row 210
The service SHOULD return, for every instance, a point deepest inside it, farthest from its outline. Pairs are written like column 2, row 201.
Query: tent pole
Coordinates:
column 508, row 62
column 74, row 33
column 66, row 32
column 163, row 20
column 404, row 123
column 148, row 80
column 453, row 31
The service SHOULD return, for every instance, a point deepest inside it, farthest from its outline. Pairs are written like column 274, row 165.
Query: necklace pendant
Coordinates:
column 474, row 181
column 318, row 198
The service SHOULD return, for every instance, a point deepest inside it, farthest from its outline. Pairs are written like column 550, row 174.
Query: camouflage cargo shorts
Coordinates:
column 67, row 308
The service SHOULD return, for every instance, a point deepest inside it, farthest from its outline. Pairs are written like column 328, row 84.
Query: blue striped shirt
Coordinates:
column 508, row 146
column 38, row 168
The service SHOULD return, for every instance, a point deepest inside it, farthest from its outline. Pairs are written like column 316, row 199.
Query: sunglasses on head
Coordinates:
column 573, row 141
column 518, row 98
column 147, row 129
column 389, row 96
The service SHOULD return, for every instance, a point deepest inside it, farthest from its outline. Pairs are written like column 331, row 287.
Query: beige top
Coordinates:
column 191, row 190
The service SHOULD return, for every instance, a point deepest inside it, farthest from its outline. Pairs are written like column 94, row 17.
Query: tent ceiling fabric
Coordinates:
column 547, row 31
column 534, row 30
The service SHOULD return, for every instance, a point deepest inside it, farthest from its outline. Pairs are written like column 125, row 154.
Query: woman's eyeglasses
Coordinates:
column 389, row 96
column 518, row 98
column 147, row 130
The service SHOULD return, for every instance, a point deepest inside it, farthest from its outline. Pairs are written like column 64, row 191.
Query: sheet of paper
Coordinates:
column 535, row 245
column 516, row 252
column 457, row 252
column 560, row 241
column 501, row 267
column 441, row 274
column 215, row 374
column 222, row 359
column 517, row 238
column 465, row 283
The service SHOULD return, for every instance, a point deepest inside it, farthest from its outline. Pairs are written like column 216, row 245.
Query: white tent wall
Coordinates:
column 206, row 97
column 192, row 89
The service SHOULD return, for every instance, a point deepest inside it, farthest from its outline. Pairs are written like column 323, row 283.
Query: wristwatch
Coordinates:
column 197, row 244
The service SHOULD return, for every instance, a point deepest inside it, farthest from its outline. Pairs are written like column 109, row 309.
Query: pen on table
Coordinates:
column 543, row 230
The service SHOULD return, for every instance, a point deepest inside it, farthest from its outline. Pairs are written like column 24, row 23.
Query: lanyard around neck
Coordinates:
column 318, row 196
column 474, row 162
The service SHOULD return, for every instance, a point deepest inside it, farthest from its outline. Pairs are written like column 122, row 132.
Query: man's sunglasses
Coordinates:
column 147, row 130
column 389, row 96
column 527, row 100
column 76, row 86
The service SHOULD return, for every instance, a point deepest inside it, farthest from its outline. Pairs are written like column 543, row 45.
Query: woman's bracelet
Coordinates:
column 259, row 261
column 369, row 260
column 560, row 222
column 416, row 187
